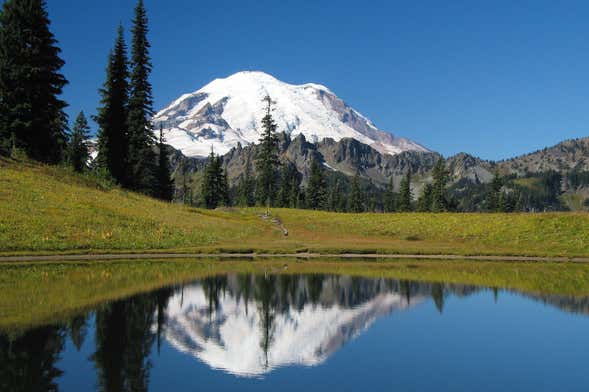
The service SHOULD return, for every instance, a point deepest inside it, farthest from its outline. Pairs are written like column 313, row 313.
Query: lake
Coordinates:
column 289, row 332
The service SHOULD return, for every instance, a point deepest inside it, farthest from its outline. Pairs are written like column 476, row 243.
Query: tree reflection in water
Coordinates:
column 244, row 324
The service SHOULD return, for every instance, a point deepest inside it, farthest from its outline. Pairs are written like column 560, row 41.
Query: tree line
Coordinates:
column 32, row 114
column 278, row 184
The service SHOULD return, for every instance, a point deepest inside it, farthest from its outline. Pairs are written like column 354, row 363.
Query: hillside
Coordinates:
column 46, row 209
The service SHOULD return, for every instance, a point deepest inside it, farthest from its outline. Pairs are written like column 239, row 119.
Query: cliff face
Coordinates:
column 349, row 156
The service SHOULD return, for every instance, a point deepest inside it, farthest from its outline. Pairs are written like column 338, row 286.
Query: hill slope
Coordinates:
column 49, row 209
column 46, row 208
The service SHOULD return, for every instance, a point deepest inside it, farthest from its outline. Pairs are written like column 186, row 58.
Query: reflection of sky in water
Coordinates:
column 302, row 333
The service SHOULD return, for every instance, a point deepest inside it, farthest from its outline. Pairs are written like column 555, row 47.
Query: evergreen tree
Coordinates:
column 389, row 197
column 210, row 184
column 439, row 201
column 289, row 186
column 165, row 182
column 336, row 200
column 425, row 201
column 141, row 158
column 247, row 186
column 495, row 192
column 316, row 196
column 32, row 116
column 112, row 115
column 215, row 189
column 372, row 198
column 405, row 195
column 295, row 192
column 77, row 151
column 224, row 198
column 356, row 196
column 267, row 161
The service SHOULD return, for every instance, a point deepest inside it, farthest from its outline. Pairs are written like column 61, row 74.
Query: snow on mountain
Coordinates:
column 229, row 111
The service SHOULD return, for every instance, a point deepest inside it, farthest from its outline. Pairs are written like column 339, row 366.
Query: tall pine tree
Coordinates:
column 267, row 160
column 247, row 185
column 356, row 196
column 439, row 199
column 336, row 200
column 289, row 185
column 77, row 151
column 316, row 197
column 113, row 140
column 389, row 196
column 405, row 196
column 425, row 201
column 495, row 193
column 215, row 190
column 141, row 156
column 165, row 189
column 32, row 115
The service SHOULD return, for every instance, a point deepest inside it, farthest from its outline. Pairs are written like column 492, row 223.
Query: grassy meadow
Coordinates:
column 40, row 293
column 46, row 209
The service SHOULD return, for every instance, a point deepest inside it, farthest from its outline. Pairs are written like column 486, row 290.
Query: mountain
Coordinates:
column 568, row 155
column 227, row 113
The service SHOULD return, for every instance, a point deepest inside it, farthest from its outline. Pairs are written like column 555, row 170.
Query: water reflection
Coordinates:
column 245, row 325
column 248, row 325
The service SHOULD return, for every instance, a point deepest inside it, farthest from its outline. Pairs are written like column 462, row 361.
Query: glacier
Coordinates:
column 228, row 112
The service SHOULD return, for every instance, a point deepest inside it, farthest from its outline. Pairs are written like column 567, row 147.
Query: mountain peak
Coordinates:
column 234, row 110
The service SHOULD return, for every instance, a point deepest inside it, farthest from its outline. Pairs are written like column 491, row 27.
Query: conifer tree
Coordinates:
column 113, row 139
column 224, row 197
column 425, row 201
column 295, row 191
column 389, row 197
column 215, row 189
column 356, row 196
column 439, row 200
column 247, row 186
column 267, row 160
column 32, row 115
column 495, row 193
column 405, row 195
column 77, row 151
column 141, row 157
column 372, row 197
column 316, row 196
column 289, row 186
column 336, row 200
column 165, row 181
column 211, row 183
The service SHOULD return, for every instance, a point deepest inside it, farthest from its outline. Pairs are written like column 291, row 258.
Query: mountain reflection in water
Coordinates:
column 245, row 325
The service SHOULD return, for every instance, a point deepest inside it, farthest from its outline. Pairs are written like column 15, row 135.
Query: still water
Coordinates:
column 309, row 333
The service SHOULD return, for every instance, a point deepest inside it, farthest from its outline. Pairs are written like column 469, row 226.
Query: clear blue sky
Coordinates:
column 494, row 78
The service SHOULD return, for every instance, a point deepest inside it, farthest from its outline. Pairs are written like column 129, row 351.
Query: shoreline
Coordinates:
column 309, row 256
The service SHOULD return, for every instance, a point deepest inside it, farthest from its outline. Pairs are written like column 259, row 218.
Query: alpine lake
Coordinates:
column 292, row 325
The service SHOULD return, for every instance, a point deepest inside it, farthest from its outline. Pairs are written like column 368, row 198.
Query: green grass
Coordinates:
column 46, row 209
column 49, row 209
column 39, row 293
column 549, row 234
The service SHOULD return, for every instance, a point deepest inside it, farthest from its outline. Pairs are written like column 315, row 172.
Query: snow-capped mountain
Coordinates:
column 229, row 111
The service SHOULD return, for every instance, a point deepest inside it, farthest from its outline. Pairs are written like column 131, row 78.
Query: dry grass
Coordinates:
column 46, row 209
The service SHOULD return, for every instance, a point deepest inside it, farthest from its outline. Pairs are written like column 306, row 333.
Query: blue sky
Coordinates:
column 495, row 78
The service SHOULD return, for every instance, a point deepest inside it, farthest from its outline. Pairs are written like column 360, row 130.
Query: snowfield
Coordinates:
column 229, row 111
